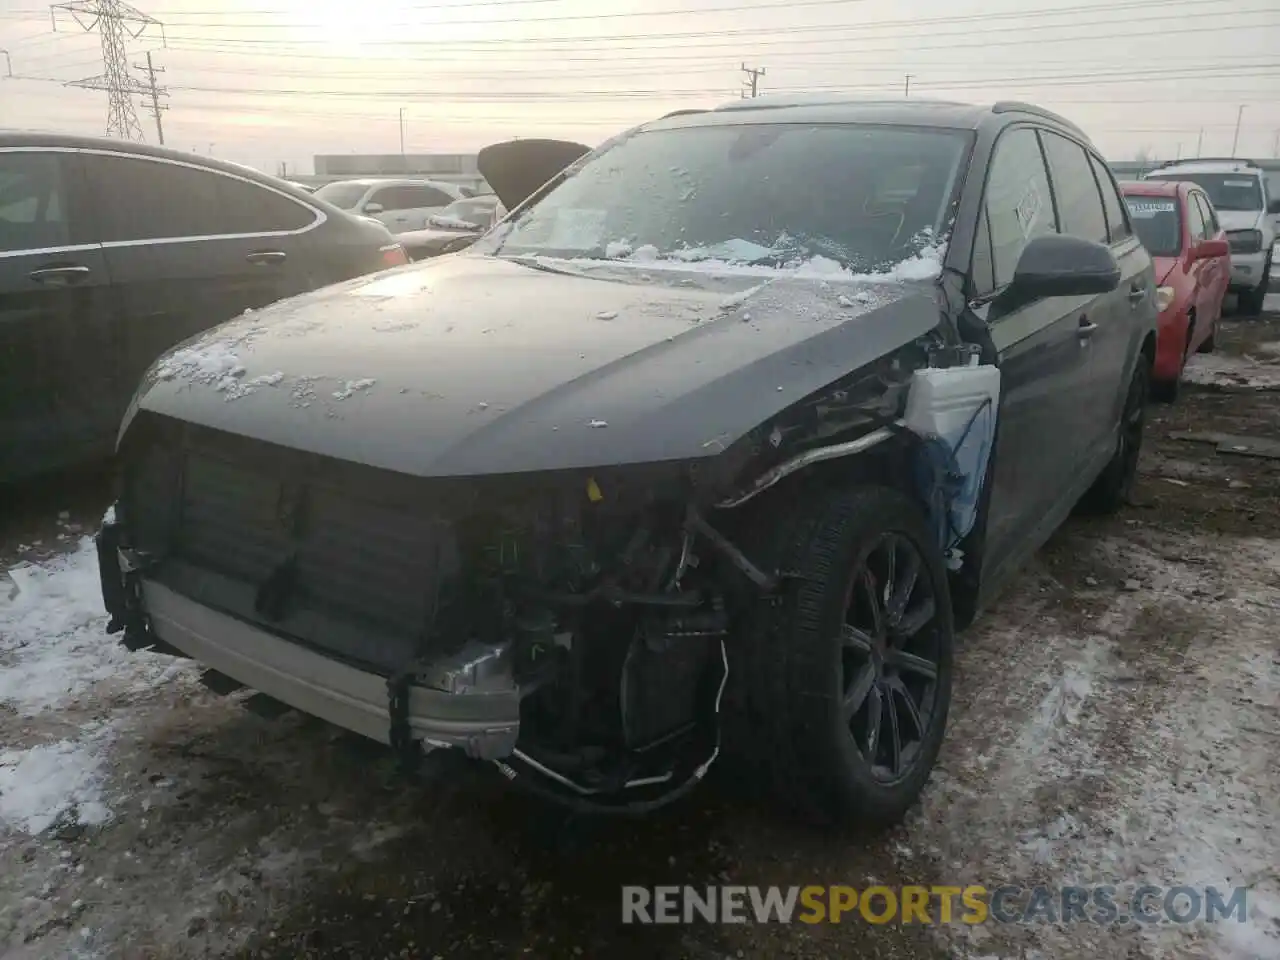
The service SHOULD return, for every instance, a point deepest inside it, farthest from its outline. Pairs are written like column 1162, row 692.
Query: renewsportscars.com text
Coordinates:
column 972, row 905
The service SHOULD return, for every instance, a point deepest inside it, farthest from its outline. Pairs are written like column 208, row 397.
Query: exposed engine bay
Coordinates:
column 574, row 626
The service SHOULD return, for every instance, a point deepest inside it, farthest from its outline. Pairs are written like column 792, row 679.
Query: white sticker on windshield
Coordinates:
column 577, row 228
column 1238, row 183
column 1143, row 209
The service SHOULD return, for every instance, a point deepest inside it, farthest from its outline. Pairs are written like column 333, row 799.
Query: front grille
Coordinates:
column 311, row 548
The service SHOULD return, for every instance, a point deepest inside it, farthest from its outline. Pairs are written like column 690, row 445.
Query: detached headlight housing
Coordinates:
column 1245, row 241
column 1164, row 297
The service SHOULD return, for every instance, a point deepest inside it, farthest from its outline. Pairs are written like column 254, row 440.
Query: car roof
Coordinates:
column 847, row 108
column 67, row 141
column 1208, row 165
column 1155, row 188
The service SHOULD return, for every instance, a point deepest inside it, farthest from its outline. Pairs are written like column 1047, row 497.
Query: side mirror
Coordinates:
column 1055, row 265
column 1274, row 206
column 373, row 208
column 1210, row 249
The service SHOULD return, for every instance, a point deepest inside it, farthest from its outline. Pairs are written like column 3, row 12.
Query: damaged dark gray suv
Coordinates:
column 705, row 452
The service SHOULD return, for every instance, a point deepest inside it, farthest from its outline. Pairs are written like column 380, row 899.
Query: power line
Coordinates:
column 112, row 18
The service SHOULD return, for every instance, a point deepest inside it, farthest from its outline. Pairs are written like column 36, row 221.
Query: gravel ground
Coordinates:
column 1116, row 720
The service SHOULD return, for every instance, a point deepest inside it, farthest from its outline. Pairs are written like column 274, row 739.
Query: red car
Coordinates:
column 1179, row 227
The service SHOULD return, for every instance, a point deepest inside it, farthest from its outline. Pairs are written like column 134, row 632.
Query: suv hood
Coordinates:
column 1241, row 220
column 474, row 365
column 517, row 168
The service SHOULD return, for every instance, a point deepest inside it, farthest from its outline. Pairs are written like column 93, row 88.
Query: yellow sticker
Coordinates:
column 593, row 490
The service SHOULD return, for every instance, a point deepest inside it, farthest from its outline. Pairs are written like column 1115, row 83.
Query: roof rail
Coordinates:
column 1177, row 163
column 1017, row 106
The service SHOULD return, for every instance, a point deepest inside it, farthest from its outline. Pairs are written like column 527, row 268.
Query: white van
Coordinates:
column 1238, row 189
column 400, row 204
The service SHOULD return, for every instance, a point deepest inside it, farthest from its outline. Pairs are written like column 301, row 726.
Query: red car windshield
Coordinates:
column 1158, row 222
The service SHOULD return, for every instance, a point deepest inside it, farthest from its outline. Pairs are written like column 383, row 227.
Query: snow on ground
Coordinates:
column 1143, row 750
column 1232, row 372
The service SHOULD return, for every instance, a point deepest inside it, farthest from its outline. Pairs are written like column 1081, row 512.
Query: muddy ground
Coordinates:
column 1117, row 719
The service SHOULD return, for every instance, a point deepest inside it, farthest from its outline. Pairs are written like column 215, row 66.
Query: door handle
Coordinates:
column 1086, row 328
column 60, row 276
column 266, row 257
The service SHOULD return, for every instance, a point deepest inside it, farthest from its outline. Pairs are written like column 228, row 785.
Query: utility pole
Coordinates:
column 1235, row 141
column 1200, row 143
column 156, row 94
column 8, row 62
column 1275, row 146
column 402, row 136
column 752, row 84
column 115, row 21
column 906, row 87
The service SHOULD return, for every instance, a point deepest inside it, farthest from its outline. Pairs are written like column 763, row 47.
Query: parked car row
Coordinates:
column 679, row 464
column 112, row 252
column 399, row 204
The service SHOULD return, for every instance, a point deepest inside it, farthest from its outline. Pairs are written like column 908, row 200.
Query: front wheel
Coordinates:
column 1251, row 302
column 1112, row 488
column 848, row 673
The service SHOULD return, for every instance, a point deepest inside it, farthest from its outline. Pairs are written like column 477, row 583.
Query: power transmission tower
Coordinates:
column 115, row 20
column 156, row 93
column 752, row 84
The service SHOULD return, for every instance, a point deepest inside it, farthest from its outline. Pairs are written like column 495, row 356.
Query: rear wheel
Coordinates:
column 847, row 680
column 1112, row 488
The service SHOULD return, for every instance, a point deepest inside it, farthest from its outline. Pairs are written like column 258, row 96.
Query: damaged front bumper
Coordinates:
column 479, row 713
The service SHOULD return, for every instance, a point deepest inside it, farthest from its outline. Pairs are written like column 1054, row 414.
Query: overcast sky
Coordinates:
column 266, row 81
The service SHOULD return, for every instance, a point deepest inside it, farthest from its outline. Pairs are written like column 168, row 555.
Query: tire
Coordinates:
column 1209, row 343
column 1168, row 391
column 815, row 668
column 1112, row 488
column 1252, row 302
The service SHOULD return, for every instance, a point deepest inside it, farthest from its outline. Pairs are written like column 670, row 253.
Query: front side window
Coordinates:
column 1228, row 191
column 33, row 202
column 1196, row 225
column 774, row 195
column 1075, row 188
column 1158, row 223
column 1206, row 209
column 144, row 199
column 1018, row 206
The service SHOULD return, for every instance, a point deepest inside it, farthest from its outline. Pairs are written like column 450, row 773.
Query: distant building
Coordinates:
column 451, row 167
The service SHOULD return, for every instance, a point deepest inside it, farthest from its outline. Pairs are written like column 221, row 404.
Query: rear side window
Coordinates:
column 33, row 201
column 411, row 197
column 1117, row 223
column 149, row 200
column 1018, row 207
column 1075, row 189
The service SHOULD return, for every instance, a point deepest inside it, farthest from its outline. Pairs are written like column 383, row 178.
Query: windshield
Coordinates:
column 1228, row 191
column 344, row 196
column 1158, row 224
column 769, row 194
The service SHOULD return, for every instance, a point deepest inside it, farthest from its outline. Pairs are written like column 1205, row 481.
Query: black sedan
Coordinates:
column 704, row 453
column 112, row 252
